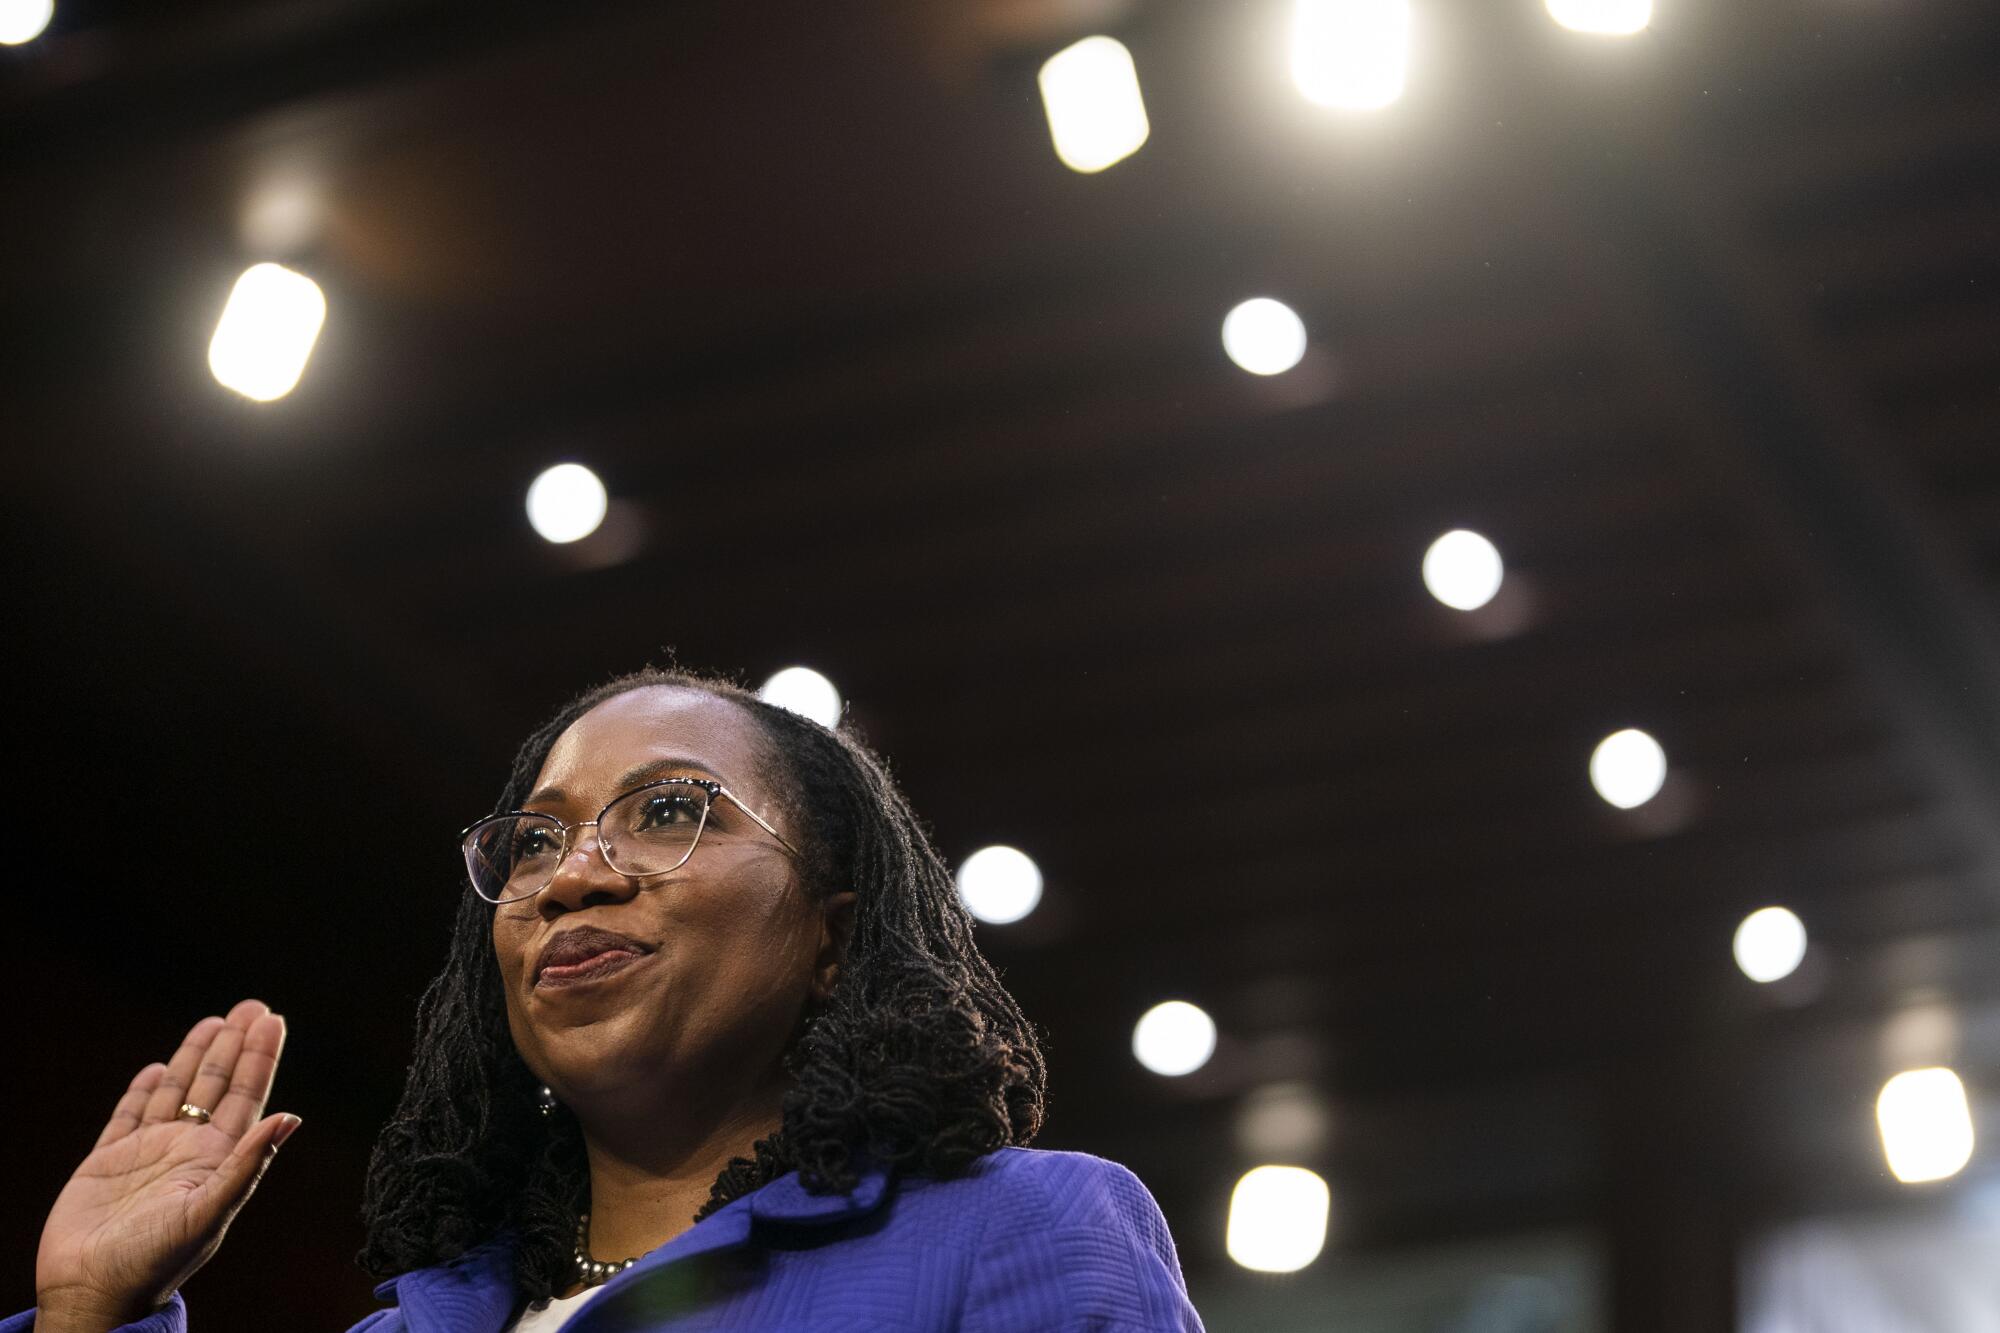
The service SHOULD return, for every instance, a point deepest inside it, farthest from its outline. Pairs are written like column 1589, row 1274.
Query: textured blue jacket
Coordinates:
column 1028, row 1241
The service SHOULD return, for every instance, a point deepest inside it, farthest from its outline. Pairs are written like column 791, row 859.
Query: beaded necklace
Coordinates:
column 588, row 1270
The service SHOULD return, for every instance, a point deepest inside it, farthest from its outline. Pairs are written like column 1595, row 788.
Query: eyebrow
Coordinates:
column 636, row 777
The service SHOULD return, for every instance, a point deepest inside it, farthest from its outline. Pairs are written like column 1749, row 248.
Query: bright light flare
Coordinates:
column 1608, row 18
column 804, row 691
column 282, row 214
column 1277, row 1219
column 1284, row 1120
column 267, row 330
column 566, row 503
column 1352, row 54
column 1463, row 570
column 999, row 884
column 1926, row 1125
column 1091, row 93
column 1174, row 1038
column 23, row 20
column 1770, row 944
column 1263, row 336
column 1628, row 768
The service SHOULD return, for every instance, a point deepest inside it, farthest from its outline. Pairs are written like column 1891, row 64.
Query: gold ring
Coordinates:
column 191, row 1112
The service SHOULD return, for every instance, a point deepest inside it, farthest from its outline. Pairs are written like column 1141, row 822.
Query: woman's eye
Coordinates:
column 534, row 842
column 664, row 811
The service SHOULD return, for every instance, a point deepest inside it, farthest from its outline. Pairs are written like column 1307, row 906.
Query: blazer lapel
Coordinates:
column 785, row 1202
column 472, row 1294
column 475, row 1292
column 681, row 1274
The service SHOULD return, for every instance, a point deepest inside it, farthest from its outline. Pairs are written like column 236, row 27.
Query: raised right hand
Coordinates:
column 150, row 1204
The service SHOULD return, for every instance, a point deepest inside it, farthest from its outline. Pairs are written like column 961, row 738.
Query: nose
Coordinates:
column 583, row 878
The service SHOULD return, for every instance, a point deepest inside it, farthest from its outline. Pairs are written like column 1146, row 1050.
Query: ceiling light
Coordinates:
column 1628, row 768
column 1462, row 569
column 1770, row 944
column 803, row 691
column 1277, row 1219
column 267, row 330
column 1174, row 1038
column 999, row 884
column 1926, row 1125
column 23, row 20
column 1264, row 336
column 566, row 503
column 1352, row 54
column 1091, row 93
column 1609, row 18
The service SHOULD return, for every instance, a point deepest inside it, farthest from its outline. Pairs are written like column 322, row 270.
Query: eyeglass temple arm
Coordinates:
column 759, row 818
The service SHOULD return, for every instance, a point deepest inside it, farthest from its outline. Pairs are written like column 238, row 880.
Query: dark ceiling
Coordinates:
column 1702, row 329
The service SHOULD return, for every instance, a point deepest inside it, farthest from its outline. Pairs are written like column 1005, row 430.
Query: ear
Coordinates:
column 836, row 927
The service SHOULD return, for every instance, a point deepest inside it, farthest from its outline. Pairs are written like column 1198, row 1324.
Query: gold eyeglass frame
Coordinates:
column 715, row 791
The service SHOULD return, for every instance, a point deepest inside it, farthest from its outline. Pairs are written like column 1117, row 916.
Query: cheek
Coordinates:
column 508, row 943
column 754, row 940
column 509, row 939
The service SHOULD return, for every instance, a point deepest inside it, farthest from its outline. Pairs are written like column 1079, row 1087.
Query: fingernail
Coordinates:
column 284, row 1130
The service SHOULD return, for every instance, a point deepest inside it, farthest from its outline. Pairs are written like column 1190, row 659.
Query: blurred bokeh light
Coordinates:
column 1174, row 1038
column 1287, row 1120
column 803, row 691
column 999, row 884
column 266, row 332
column 1096, row 114
column 1611, row 18
column 1277, row 1218
column 566, row 503
column 1264, row 336
column 1770, row 944
column 1462, row 569
column 22, row 21
column 1926, row 1125
column 1351, row 54
column 1628, row 768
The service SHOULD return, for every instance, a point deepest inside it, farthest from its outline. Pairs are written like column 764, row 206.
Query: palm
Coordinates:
column 149, row 1205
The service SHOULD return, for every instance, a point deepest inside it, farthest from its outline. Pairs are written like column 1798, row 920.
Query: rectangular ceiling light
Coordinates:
column 1352, row 54
column 1091, row 92
column 266, row 332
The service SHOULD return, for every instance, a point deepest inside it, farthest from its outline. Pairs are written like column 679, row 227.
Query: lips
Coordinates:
column 568, row 950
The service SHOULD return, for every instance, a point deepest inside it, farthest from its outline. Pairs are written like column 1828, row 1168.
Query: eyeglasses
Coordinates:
column 650, row 830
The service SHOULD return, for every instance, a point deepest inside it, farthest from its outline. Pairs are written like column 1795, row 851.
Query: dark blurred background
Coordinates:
column 1700, row 327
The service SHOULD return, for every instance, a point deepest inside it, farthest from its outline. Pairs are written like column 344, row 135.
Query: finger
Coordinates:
column 250, row 1084
column 246, row 1013
column 218, row 1063
column 239, row 1173
column 165, row 1103
column 125, row 1116
column 218, row 1066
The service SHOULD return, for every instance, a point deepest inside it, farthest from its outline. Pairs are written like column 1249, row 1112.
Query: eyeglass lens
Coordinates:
column 645, row 832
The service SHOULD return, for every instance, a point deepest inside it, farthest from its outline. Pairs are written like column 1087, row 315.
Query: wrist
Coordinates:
column 71, row 1321
column 87, row 1312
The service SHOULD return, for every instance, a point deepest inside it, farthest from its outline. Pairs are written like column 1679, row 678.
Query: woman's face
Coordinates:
column 728, row 948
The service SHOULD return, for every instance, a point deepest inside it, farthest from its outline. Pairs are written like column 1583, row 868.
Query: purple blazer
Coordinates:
column 1027, row 1242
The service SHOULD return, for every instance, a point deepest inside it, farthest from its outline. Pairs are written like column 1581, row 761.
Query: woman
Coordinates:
column 713, row 1049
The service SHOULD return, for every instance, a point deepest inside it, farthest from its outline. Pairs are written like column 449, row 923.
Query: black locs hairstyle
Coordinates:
column 920, row 1058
